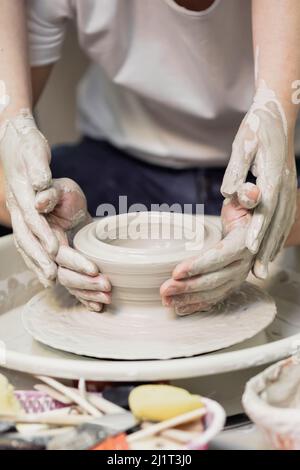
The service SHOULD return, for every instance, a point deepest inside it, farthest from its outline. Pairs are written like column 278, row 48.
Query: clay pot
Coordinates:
column 138, row 251
column 272, row 400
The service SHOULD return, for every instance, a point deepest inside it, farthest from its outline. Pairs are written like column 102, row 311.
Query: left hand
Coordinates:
column 66, row 211
column 199, row 283
column 264, row 145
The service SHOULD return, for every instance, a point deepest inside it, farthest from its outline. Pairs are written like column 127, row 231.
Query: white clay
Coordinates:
column 244, row 194
column 135, row 325
column 65, row 209
column 199, row 283
column 25, row 157
column 135, row 330
column 272, row 400
column 261, row 145
column 137, row 268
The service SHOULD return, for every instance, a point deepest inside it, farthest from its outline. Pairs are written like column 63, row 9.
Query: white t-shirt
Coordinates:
column 167, row 84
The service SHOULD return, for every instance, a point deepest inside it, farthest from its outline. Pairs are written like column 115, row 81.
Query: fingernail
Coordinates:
column 52, row 246
column 167, row 301
column 88, row 268
column 171, row 291
column 105, row 285
column 253, row 246
column 50, row 271
column 95, row 307
column 260, row 270
column 182, row 274
column 106, row 298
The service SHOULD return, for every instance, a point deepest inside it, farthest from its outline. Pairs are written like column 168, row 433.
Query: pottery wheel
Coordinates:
column 55, row 319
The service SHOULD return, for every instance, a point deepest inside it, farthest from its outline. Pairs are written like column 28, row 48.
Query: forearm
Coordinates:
column 15, row 84
column 4, row 214
column 276, row 37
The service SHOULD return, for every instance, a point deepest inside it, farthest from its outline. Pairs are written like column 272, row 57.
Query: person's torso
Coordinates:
column 167, row 84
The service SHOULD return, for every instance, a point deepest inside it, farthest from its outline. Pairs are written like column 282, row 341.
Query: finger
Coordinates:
column 237, row 270
column 30, row 245
column 209, row 296
column 263, row 213
column 74, row 280
column 240, row 162
column 234, row 215
column 61, row 235
column 204, row 306
column 92, row 306
column 276, row 234
column 36, row 155
column 193, row 308
column 72, row 209
column 67, row 185
column 228, row 250
column 69, row 258
column 45, row 201
column 249, row 195
column 292, row 215
column 32, row 267
column 25, row 198
column 283, row 240
column 91, row 296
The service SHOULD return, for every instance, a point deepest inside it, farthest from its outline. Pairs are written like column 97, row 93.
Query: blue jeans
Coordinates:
column 105, row 172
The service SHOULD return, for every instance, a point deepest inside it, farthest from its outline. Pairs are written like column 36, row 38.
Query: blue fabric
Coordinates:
column 105, row 172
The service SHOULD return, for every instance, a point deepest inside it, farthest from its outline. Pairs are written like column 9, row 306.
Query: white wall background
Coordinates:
column 56, row 110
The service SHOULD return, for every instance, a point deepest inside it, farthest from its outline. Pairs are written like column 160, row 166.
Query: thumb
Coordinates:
column 236, row 211
column 46, row 201
column 249, row 195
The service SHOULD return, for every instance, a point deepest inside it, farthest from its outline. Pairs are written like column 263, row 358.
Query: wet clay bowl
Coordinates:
column 272, row 401
column 136, row 326
column 138, row 251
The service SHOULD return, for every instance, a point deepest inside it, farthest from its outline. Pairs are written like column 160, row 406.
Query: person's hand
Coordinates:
column 25, row 157
column 66, row 209
column 4, row 214
column 199, row 283
column 264, row 145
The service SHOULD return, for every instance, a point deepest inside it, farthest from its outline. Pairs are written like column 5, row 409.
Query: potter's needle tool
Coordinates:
column 53, row 393
column 82, row 388
column 75, row 396
column 167, row 424
column 46, row 418
column 177, row 435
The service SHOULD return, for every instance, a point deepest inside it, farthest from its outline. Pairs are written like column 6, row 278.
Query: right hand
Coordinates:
column 25, row 156
column 201, row 282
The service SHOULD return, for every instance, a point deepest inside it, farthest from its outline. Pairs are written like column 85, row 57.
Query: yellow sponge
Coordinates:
column 8, row 402
column 160, row 402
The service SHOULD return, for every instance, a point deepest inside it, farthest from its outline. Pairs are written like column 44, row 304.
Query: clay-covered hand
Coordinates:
column 199, row 283
column 264, row 145
column 25, row 157
column 66, row 209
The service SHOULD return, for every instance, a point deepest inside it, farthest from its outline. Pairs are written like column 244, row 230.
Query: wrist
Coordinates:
column 11, row 112
column 264, row 96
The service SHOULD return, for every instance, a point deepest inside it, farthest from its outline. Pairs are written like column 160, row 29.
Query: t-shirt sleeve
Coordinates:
column 46, row 23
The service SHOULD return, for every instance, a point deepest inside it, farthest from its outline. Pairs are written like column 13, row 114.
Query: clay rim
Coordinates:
column 87, row 242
